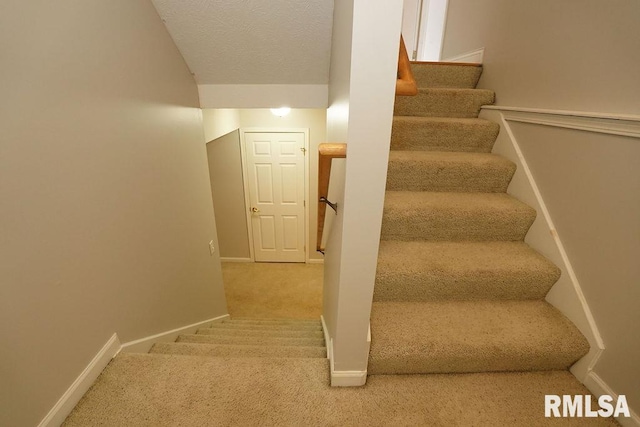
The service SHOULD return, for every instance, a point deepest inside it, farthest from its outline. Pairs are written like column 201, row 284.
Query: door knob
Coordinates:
column 254, row 210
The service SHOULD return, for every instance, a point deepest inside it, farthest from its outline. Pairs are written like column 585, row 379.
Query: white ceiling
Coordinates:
column 252, row 41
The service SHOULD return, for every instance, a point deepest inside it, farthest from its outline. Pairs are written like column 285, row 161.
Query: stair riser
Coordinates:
column 432, row 286
column 409, row 134
column 210, row 350
column 266, row 322
column 449, row 176
column 533, row 362
column 443, row 103
column 259, row 333
column 251, row 340
column 440, row 224
column 440, row 75
column 471, row 336
column 244, row 326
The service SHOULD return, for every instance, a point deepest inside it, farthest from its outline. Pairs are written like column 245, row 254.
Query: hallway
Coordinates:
column 273, row 290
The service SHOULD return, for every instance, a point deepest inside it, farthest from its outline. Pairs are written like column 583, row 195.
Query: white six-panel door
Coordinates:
column 275, row 182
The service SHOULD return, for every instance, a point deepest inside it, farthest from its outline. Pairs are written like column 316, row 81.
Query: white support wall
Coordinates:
column 361, row 96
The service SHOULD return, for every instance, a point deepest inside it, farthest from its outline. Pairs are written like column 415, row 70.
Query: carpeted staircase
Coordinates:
column 457, row 289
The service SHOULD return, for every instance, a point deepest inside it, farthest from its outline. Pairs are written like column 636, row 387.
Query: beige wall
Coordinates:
column 571, row 54
column 106, row 210
column 219, row 121
column 590, row 183
column 581, row 56
column 235, row 240
column 227, row 190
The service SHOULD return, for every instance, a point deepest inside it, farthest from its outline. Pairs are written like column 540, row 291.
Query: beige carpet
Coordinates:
column 457, row 289
column 166, row 390
column 273, row 290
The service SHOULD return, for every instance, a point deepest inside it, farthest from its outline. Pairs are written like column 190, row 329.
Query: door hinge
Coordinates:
column 304, row 203
column 414, row 55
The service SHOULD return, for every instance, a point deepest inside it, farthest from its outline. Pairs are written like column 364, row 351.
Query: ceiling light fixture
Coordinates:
column 280, row 112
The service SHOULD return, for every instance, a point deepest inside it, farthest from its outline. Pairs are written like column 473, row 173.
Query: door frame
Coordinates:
column 245, row 184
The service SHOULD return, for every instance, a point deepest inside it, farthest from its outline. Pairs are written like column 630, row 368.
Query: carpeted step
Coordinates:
column 161, row 390
column 439, row 74
column 443, row 134
column 256, row 327
column 261, row 333
column 471, row 336
column 445, row 171
column 416, row 215
column 444, row 102
column 436, row 271
column 250, row 321
column 213, row 350
column 242, row 340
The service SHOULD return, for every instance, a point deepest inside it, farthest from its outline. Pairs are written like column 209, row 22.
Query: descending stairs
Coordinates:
column 457, row 289
column 251, row 338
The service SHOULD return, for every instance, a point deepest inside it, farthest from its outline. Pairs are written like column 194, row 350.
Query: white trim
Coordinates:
column 245, row 189
column 585, row 114
column 245, row 185
column 598, row 387
column 235, row 259
column 343, row 378
column 143, row 345
column 315, row 261
column 327, row 339
column 585, row 123
column 263, row 96
column 573, row 303
column 472, row 57
column 74, row 393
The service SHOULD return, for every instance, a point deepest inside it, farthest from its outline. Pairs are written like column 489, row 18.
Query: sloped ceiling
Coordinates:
column 252, row 41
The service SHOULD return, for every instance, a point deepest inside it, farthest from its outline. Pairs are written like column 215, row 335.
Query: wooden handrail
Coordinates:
column 406, row 83
column 326, row 153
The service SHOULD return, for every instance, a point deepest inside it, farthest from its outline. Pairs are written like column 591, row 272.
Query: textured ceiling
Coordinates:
column 252, row 41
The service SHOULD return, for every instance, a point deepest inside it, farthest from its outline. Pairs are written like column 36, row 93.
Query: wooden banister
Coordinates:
column 326, row 153
column 406, row 83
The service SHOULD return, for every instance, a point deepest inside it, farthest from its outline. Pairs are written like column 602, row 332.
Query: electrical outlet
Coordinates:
column 212, row 249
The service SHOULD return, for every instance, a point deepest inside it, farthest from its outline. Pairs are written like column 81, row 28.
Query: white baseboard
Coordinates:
column 144, row 344
column 327, row 338
column 342, row 378
column 566, row 295
column 315, row 261
column 72, row 396
column 598, row 387
column 474, row 57
column 232, row 259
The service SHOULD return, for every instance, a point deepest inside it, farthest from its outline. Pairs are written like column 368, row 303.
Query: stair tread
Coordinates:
column 228, row 350
column 261, row 333
column 444, row 102
column 464, row 336
column 260, row 321
column 448, row 171
column 430, row 74
column 267, row 327
column 243, row 340
column 422, row 215
column 443, row 133
column 429, row 271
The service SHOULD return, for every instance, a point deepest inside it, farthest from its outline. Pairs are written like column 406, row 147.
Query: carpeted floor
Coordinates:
column 273, row 290
column 169, row 390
